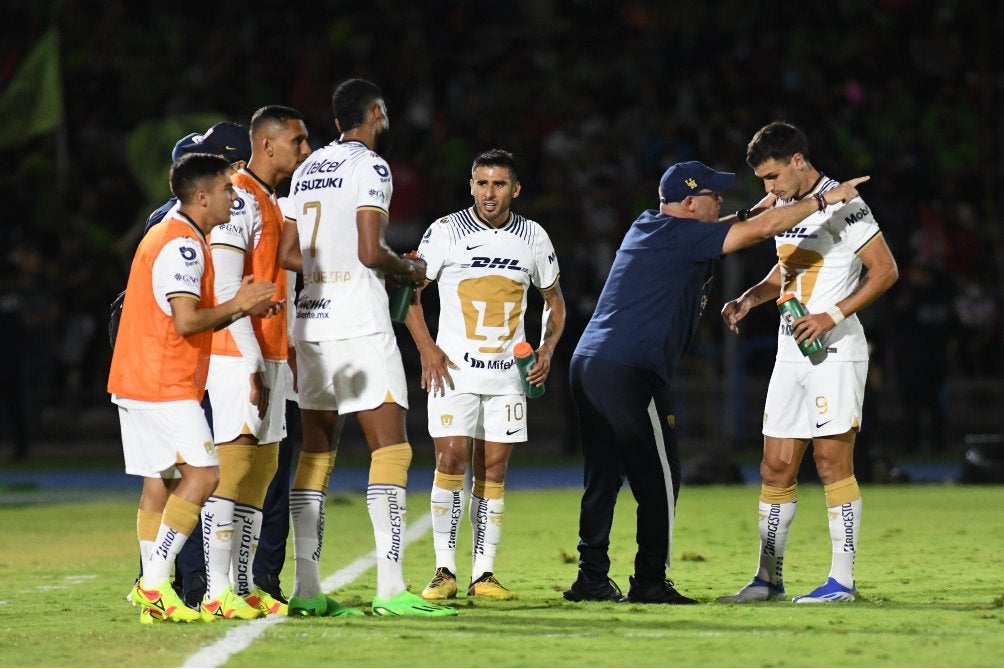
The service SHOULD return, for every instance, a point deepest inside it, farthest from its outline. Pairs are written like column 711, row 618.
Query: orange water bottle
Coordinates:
column 525, row 359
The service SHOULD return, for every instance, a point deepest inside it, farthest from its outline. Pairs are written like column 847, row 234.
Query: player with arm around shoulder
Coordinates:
column 816, row 398
column 484, row 260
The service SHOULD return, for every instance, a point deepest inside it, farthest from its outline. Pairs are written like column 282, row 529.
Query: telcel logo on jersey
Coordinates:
column 495, row 263
column 477, row 363
column 857, row 216
column 324, row 166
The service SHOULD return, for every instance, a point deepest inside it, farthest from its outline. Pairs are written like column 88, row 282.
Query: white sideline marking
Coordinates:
column 241, row 637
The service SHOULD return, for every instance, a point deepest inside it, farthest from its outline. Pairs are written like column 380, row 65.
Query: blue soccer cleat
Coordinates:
column 831, row 591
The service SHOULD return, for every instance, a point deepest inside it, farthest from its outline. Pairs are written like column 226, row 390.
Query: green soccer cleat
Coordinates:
column 407, row 604
column 321, row 606
column 228, row 606
column 162, row 603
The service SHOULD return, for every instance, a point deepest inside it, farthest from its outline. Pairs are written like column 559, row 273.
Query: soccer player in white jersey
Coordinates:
column 247, row 379
column 484, row 259
column 815, row 398
column 347, row 357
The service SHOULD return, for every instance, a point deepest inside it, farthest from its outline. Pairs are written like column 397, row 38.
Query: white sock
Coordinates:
column 389, row 515
column 486, row 526
column 217, row 540
column 247, row 530
column 306, row 509
column 447, row 509
column 166, row 547
column 775, row 521
column 845, row 523
column 145, row 551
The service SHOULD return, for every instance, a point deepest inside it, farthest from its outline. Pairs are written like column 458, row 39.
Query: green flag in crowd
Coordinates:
column 32, row 102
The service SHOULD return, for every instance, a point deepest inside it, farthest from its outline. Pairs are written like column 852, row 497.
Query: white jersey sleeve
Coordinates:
column 177, row 271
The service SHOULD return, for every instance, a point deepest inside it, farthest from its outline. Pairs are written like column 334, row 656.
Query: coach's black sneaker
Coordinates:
column 656, row 592
column 598, row 591
column 194, row 591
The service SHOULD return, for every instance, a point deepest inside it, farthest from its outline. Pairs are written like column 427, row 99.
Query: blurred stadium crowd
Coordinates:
column 593, row 98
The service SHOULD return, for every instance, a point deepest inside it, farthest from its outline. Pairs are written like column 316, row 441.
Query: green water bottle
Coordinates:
column 525, row 359
column 791, row 310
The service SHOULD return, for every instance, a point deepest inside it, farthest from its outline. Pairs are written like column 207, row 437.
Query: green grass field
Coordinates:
column 930, row 576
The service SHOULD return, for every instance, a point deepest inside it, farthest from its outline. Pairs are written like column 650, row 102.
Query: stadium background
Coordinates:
column 594, row 99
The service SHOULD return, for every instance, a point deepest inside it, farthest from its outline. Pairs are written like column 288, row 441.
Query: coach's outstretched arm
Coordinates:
column 776, row 220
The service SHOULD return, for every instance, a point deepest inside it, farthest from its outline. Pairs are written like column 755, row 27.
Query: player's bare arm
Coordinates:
column 768, row 288
column 553, row 320
column 436, row 365
column 375, row 254
column 881, row 275
column 290, row 255
column 781, row 219
column 189, row 318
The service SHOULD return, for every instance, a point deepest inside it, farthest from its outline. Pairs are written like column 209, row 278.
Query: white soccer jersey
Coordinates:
column 483, row 275
column 819, row 263
column 341, row 297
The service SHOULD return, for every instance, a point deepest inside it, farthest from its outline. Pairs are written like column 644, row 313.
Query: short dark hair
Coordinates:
column 350, row 101
column 273, row 114
column 496, row 158
column 778, row 140
column 189, row 171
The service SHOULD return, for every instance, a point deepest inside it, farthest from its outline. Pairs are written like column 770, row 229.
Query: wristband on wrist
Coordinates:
column 744, row 214
column 836, row 314
column 820, row 201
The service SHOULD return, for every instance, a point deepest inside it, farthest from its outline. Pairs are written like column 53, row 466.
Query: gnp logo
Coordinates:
column 187, row 252
column 857, row 216
column 495, row 263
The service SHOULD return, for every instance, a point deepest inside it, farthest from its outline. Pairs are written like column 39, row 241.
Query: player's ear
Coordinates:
column 516, row 188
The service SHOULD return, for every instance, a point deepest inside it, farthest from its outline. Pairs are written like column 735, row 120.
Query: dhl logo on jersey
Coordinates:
column 495, row 263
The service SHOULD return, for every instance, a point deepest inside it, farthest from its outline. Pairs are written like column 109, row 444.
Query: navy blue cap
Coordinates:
column 683, row 179
column 178, row 151
column 230, row 140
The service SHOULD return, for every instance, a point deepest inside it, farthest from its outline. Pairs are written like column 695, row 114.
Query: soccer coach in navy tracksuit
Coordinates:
column 621, row 370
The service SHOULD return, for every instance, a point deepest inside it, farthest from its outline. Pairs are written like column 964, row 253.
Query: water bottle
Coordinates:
column 400, row 300
column 525, row 359
column 791, row 309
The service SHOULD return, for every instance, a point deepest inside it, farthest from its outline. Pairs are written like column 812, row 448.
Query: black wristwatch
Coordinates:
column 743, row 214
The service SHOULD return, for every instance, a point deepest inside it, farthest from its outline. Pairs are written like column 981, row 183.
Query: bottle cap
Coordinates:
column 522, row 350
column 785, row 297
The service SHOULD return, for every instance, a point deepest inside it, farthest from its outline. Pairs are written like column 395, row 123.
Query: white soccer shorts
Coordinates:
column 156, row 434
column 821, row 400
column 496, row 418
column 351, row 375
column 229, row 387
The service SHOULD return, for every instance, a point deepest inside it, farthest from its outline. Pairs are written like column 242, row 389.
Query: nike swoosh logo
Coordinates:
column 476, row 246
column 512, row 432
column 819, row 425
column 230, row 148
